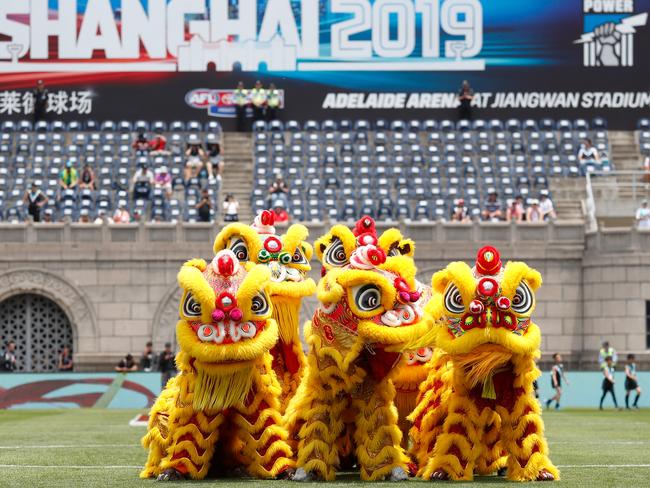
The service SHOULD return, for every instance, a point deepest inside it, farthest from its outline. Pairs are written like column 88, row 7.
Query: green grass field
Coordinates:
column 98, row 448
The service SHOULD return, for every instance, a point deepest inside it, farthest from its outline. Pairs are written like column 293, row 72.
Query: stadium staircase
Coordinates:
column 238, row 171
column 625, row 150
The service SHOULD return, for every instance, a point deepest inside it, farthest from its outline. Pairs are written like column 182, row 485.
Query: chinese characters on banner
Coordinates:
column 58, row 102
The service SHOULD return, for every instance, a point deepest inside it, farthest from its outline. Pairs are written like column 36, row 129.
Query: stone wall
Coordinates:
column 117, row 282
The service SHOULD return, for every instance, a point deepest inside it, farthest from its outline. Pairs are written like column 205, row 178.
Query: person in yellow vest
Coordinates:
column 258, row 98
column 605, row 351
column 240, row 99
column 272, row 103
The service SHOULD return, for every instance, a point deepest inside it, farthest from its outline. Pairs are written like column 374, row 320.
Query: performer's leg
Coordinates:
column 458, row 445
column 523, row 439
column 493, row 456
column 377, row 435
column 320, row 414
column 180, row 440
column 627, row 398
column 265, row 451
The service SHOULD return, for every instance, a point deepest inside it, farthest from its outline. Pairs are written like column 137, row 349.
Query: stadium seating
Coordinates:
column 414, row 169
column 38, row 153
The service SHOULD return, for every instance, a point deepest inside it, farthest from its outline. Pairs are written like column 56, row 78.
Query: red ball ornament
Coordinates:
column 267, row 217
column 272, row 244
column 488, row 261
column 376, row 256
column 503, row 303
column 236, row 314
column 476, row 307
column 225, row 265
column 487, row 287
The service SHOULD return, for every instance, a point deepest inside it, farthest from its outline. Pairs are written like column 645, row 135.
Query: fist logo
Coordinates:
column 609, row 41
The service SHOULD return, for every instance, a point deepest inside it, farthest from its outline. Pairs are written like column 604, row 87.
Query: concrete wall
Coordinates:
column 117, row 282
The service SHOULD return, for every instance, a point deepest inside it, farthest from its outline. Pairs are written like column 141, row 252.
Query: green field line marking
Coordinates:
column 110, row 393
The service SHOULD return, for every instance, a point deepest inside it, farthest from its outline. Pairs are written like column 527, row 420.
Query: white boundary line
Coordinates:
column 77, row 446
column 39, row 466
column 54, row 466
column 603, row 466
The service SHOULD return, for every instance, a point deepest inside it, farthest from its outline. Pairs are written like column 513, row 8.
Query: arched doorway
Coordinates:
column 39, row 327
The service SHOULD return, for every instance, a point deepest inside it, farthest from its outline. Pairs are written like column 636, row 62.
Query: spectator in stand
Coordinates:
column 102, row 216
column 158, row 145
column 84, row 216
column 65, row 360
column 166, row 364
column 460, row 213
column 41, row 97
column 35, row 200
column 240, row 99
column 643, row 216
column 608, row 381
column 605, row 351
column 163, row 181
column 121, row 215
column 281, row 215
column 533, row 213
column 492, row 208
column 546, row 206
column 465, row 97
column 142, row 184
column 68, row 178
column 204, row 206
column 230, row 209
column 588, row 157
column 9, row 362
column 272, row 103
column 47, row 216
column 195, row 156
column 148, row 359
column 516, row 210
column 258, row 98
column 646, row 169
column 141, row 145
column 214, row 155
column 126, row 364
column 137, row 216
column 87, row 180
column 279, row 191
column 631, row 382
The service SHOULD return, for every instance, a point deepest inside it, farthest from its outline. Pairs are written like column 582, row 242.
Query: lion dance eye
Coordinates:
column 238, row 246
column 394, row 251
column 298, row 257
column 454, row 300
column 335, row 254
column 367, row 298
column 191, row 308
column 259, row 305
column 523, row 300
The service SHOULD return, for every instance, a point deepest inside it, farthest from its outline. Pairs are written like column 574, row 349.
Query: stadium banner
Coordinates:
column 78, row 390
column 153, row 59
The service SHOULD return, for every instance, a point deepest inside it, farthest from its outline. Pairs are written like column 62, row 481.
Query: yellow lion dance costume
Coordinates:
column 477, row 410
column 412, row 369
column 222, row 411
column 287, row 257
column 369, row 311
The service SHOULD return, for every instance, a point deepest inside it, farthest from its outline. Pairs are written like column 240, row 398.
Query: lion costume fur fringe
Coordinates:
column 226, row 398
column 288, row 257
column 344, row 404
column 476, row 411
